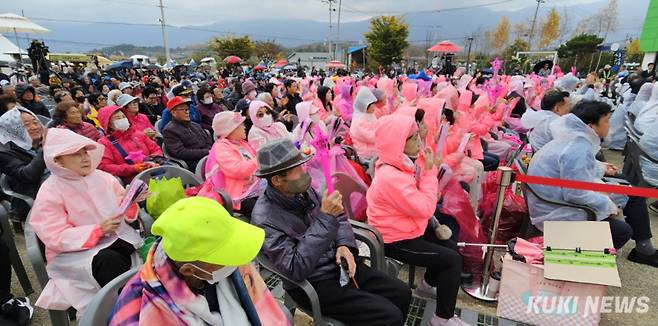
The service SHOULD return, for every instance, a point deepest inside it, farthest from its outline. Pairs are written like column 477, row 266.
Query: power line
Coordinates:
column 172, row 26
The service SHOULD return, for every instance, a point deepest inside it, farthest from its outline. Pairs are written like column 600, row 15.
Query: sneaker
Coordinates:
column 654, row 207
column 636, row 257
column 454, row 321
column 426, row 291
column 18, row 309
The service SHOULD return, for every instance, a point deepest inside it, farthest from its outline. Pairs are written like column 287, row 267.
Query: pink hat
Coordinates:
column 225, row 122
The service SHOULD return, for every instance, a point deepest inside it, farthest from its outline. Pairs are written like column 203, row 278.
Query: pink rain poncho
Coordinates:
column 66, row 216
column 344, row 102
column 364, row 124
column 260, row 133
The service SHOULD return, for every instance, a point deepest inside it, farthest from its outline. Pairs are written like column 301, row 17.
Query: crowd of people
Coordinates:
column 269, row 141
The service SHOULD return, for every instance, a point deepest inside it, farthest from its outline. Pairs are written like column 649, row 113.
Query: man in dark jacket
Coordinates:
column 292, row 92
column 151, row 104
column 185, row 139
column 26, row 96
column 307, row 237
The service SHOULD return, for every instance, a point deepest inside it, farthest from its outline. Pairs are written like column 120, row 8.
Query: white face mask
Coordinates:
column 121, row 124
column 252, row 95
column 218, row 275
column 207, row 100
column 267, row 120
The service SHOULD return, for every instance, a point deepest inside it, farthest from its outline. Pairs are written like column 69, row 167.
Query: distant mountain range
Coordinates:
column 454, row 25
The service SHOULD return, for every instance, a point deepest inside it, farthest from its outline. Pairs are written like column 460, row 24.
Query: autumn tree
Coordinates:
column 387, row 39
column 550, row 29
column 268, row 50
column 501, row 33
column 242, row 47
column 633, row 52
column 521, row 31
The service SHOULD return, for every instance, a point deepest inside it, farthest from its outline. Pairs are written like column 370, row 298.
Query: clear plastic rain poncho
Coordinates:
column 649, row 143
column 569, row 156
column 538, row 122
column 649, row 113
column 641, row 99
column 617, row 135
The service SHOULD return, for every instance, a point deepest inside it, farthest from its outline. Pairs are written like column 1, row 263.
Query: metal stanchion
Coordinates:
column 504, row 178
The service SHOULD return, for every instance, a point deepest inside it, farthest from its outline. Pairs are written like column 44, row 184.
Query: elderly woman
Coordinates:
column 125, row 148
column 232, row 162
column 76, row 215
column 139, row 121
column 264, row 128
column 206, row 107
column 67, row 115
column 364, row 124
column 21, row 157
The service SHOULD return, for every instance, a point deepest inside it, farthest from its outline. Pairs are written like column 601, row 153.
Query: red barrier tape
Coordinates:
column 600, row 187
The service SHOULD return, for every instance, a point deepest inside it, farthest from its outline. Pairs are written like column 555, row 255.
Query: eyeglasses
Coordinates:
column 185, row 110
column 101, row 98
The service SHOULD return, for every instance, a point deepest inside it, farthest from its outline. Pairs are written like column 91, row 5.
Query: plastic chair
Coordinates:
column 169, row 171
column 99, row 309
column 158, row 128
column 14, row 257
column 316, row 312
column 180, row 162
column 346, row 186
column 200, row 170
column 36, row 253
column 527, row 228
column 6, row 188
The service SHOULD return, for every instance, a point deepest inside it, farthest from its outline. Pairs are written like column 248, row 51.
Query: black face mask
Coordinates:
column 80, row 99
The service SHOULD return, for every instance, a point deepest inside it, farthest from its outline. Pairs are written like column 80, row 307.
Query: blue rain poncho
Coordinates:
column 570, row 156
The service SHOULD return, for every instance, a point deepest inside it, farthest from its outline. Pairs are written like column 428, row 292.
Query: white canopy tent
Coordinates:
column 7, row 48
column 18, row 24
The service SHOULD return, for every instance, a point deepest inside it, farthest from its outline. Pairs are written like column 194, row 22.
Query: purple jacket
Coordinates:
column 300, row 240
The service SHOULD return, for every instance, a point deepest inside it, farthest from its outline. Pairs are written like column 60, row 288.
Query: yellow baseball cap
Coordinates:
column 200, row 229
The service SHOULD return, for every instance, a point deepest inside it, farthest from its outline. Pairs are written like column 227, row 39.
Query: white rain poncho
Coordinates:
column 538, row 123
column 649, row 113
column 649, row 143
column 617, row 135
column 567, row 83
column 641, row 99
column 569, row 156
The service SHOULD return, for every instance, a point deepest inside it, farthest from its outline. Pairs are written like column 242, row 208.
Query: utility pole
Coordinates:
column 534, row 21
column 330, row 46
column 468, row 55
column 340, row 3
column 164, row 34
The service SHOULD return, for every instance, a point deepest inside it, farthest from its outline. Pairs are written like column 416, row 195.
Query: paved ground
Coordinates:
column 637, row 280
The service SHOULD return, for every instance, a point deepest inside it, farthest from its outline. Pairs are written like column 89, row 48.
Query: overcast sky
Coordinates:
column 200, row 12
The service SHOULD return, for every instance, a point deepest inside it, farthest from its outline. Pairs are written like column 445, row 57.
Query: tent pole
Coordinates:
column 18, row 44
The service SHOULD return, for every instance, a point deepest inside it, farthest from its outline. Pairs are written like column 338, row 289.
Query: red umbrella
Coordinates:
column 445, row 46
column 335, row 64
column 259, row 68
column 232, row 59
column 280, row 63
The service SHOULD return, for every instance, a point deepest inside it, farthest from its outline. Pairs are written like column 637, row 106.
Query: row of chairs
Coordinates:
column 344, row 183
